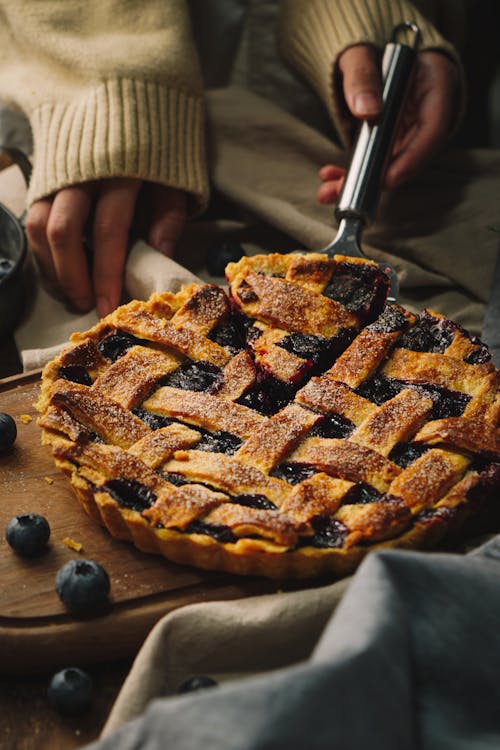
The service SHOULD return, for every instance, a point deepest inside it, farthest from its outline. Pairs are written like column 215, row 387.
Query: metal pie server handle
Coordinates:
column 358, row 200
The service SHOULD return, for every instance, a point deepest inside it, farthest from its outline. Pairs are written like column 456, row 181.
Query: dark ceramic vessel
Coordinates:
column 13, row 249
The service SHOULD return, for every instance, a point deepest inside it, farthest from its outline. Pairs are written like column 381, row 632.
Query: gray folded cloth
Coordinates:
column 408, row 659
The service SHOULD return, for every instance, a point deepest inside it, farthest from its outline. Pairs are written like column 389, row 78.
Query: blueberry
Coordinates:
column 198, row 682
column 28, row 534
column 8, row 432
column 70, row 691
column 219, row 442
column 82, row 585
column 220, row 254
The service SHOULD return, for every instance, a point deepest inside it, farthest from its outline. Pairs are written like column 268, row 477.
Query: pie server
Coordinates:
column 358, row 200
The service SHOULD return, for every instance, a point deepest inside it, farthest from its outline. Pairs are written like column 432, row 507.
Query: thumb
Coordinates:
column 362, row 84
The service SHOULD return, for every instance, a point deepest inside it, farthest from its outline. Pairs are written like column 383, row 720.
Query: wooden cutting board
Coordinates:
column 36, row 632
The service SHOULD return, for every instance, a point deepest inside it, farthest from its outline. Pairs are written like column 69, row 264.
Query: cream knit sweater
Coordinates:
column 113, row 88
column 313, row 33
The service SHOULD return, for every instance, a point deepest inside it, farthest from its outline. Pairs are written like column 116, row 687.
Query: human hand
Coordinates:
column 426, row 120
column 56, row 227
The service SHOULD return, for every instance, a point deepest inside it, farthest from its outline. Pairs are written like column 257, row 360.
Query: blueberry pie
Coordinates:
column 285, row 428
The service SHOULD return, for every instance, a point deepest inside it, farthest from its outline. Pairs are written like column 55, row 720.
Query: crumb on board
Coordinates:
column 49, row 480
column 26, row 418
column 76, row 546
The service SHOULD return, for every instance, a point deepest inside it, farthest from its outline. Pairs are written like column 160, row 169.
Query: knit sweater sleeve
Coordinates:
column 312, row 34
column 111, row 89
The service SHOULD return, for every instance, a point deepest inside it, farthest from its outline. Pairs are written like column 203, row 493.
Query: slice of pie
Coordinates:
column 284, row 429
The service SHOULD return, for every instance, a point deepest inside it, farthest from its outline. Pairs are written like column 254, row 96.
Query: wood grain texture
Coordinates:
column 36, row 632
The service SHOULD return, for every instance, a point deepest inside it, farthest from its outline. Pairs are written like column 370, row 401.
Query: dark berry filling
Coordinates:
column 433, row 515
column 404, row 454
column 253, row 333
column 292, row 473
column 155, row 421
column 177, row 479
column 361, row 494
column 220, row 533
column 446, row 403
column 390, row 320
column 261, row 502
column 75, row 373
column 230, row 335
column 318, row 350
column 195, row 376
column 359, row 287
column 327, row 533
column 489, row 483
column 480, row 355
column 379, row 389
column 116, row 344
column 268, row 395
column 332, row 426
column 130, row 494
column 305, row 345
column 246, row 294
column 429, row 334
column 219, row 442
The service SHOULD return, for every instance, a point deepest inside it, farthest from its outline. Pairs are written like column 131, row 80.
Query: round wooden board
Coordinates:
column 36, row 632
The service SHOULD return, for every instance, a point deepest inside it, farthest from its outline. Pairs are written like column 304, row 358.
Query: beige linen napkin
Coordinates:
column 225, row 640
column 49, row 323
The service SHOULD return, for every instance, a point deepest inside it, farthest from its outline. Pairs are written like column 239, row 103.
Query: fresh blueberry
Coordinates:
column 28, row 534
column 199, row 682
column 83, row 586
column 70, row 691
column 220, row 254
column 8, row 432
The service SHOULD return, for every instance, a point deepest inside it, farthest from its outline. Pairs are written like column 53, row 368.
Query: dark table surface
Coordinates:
column 27, row 722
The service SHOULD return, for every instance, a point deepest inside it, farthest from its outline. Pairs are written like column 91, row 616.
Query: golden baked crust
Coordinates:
column 285, row 429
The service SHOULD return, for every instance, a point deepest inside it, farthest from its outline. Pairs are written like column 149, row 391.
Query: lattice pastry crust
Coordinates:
column 283, row 430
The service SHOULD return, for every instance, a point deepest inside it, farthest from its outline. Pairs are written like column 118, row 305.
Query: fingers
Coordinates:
column 361, row 80
column 428, row 117
column 55, row 230
column 113, row 216
column 65, row 228
column 333, row 178
column 36, row 228
column 168, row 218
